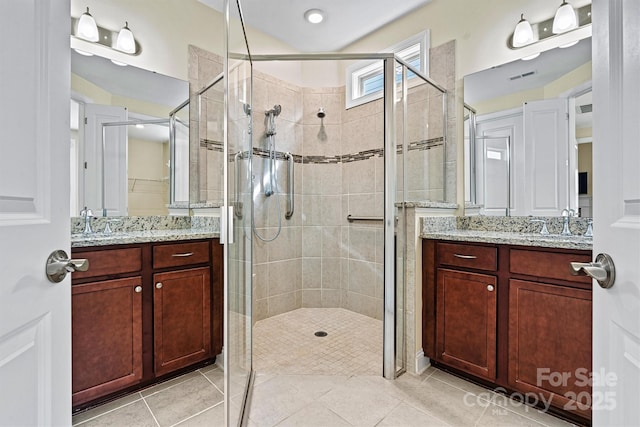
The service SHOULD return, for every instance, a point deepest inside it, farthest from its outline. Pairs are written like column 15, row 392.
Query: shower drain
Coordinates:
column 321, row 334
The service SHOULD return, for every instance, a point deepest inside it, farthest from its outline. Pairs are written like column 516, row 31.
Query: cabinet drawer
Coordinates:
column 180, row 254
column 113, row 261
column 550, row 265
column 469, row 256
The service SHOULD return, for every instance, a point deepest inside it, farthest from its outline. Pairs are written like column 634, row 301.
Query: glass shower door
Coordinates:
column 236, row 214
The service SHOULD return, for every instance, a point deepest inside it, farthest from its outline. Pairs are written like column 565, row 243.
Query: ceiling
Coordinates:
column 345, row 20
column 520, row 76
column 130, row 82
column 503, row 79
column 134, row 83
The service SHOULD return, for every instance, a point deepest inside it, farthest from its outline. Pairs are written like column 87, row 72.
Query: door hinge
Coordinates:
column 85, row 165
column 86, row 121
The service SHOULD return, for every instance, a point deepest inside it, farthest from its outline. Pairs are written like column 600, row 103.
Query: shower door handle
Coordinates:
column 290, row 176
column 226, row 225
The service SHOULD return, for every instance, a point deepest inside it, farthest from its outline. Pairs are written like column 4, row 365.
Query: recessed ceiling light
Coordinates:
column 139, row 125
column 315, row 16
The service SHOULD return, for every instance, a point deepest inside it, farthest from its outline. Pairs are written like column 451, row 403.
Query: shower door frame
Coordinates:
column 390, row 61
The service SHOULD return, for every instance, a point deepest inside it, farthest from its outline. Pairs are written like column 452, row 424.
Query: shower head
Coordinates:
column 275, row 111
column 321, row 113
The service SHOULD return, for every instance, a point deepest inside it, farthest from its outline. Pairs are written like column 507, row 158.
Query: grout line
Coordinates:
column 211, row 382
column 107, row 412
column 482, row 414
column 183, row 379
column 400, row 402
column 426, row 411
column 198, row 413
column 152, row 414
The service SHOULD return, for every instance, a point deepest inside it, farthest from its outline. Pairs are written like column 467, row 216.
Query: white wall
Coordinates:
column 164, row 29
column 481, row 29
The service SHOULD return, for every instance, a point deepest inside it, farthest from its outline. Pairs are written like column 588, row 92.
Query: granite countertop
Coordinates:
column 80, row 240
column 512, row 238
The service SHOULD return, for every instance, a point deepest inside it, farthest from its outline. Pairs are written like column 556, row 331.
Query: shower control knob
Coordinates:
column 159, row 285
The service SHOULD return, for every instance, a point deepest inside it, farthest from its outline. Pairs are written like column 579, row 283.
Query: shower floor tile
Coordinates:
column 286, row 344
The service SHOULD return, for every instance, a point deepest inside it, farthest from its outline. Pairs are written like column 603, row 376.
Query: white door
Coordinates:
column 501, row 129
column 114, row 179
column 35, row 314
column 616, row 161
column 546, row 149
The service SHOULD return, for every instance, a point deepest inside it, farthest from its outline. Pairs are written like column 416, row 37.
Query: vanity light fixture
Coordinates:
column 125, row 41
column 565, row 19
column 314, row 16
column 523, row 33
column 87, row 27
column 87, row 30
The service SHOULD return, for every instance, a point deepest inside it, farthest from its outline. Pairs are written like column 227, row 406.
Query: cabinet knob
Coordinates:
column 138, row 289
column 159, row 285
column 490, row 288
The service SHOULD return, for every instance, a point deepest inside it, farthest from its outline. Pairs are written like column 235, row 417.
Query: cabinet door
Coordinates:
column 550, row 343
column 466, row 322
column 182, row 318
column 107, row 337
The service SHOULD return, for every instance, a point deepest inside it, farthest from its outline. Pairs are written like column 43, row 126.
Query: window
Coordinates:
column 365, row 79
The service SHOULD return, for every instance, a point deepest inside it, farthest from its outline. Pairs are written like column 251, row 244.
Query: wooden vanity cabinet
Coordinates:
column 106, row 337
column 466, row 308
column 181, row 306
column 106, row 310
column 142, row 312
column 534, row 326
column 466, row 319
column 550, row 343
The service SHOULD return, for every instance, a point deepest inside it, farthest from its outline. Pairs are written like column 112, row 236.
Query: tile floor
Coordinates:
column 306, row 381
column 194, row 399
column 353, row 345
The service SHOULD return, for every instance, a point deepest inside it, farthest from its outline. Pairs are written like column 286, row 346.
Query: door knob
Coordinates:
column 602, row 270
column 59, row 264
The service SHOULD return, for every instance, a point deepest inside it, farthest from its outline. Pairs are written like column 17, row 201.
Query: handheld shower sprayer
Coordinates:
column 271, row 146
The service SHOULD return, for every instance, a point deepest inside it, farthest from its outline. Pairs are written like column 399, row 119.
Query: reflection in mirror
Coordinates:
column 124, row 112
column 541, row 110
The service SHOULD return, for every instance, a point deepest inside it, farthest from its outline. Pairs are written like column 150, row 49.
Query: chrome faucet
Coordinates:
column 87, row 214
column 566, row 214
column 589, row 232
column 545, row 230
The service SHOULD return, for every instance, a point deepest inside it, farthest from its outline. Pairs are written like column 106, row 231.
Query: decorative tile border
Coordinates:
column 426, row 144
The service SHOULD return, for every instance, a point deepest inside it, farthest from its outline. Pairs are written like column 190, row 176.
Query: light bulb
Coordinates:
column 523, row 33
column 126, row 42
column 565, row 18
column 87, row 28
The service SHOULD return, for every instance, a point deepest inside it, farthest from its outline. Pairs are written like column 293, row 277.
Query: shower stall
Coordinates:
column 314, row 198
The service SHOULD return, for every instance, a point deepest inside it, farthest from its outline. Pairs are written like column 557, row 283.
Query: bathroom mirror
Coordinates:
column 529, row 122
column 126, row 111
